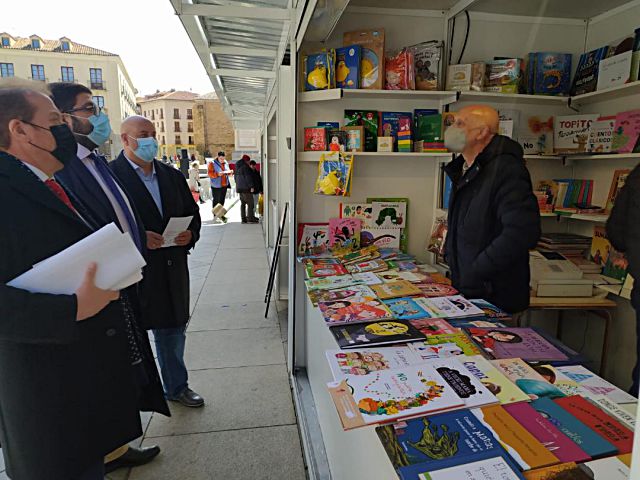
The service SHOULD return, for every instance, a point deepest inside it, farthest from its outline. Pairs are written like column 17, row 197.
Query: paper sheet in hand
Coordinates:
column 119, row 265
column 175, row 226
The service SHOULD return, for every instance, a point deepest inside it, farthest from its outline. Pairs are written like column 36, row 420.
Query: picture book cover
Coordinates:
column 391, row 123
column 433, row 290
column 395, row 275
column 345, row 232
column 428, row 129
column 464, row 346
column 315, row 139
column 324, row 267
column 348, row 66
column 600, row 246
column 571, row 132
column 381, row 237
column 618, row 181
column 472, row 322
column 551, row 73
column 366, row 361
column 319, row 69
column 600, row 139
column 504, row 389
column 388, row 214
column 616, row 265
column 391, row 395
column 336, row 140
column 522, row 343
column 356, row 309
column 372, row 41
column 375, row 333
column 367, row 119
column 612, row 468
column 433, row 326
column 626, row 131
column 339, row 294
column 404, row 233
column 546, row 433
column 615, row 410
column 496, row 468
column 375, row 265
column 368, row 278
column 526, row 378
column 405, row 308
column 588, row 440
column 395, row 289
column 586, row 76
column 599, row 421
column 591, row 382
column 454, row 306
column 467, row 386
column 313, row 239
column 536, row 138
column 552, row 375
column 562, row 471
column 436, row 442
column 357, row 210
column 523, row 447
column 489, row 310
column 329, row 283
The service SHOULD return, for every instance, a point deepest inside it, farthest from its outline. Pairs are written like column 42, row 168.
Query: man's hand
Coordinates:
column 184, row 238
column 154, row 240
column 91, row 299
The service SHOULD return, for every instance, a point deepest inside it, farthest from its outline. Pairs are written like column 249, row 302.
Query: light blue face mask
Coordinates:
column 101, row 128
column 147, row 148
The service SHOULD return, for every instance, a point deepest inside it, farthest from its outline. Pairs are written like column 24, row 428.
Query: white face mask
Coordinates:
column 455, row 139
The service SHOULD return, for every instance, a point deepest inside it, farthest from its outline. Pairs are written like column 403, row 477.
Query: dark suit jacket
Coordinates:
column 86, row 190
column 165, row 287
column 67, row 387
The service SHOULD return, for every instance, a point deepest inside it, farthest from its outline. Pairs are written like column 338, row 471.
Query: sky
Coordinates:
column 147, row 35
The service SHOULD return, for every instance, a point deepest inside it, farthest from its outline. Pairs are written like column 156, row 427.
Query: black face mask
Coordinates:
column 66, row 145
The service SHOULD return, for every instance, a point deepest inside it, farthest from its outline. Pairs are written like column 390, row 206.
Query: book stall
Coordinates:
column 397, row 375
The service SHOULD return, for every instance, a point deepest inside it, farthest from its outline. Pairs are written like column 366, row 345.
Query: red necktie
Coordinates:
column 60, row 193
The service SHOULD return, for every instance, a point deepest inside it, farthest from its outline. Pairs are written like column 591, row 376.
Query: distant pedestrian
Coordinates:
column 219, row 173
column 245, row 188
column 194, row 181
column 257, row 183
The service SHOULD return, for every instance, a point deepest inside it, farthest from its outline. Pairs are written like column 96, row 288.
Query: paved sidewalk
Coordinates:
column 236, row 357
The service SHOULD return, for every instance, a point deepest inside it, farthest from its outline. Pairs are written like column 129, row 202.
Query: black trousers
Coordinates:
column 218, row 195
column 247, row 207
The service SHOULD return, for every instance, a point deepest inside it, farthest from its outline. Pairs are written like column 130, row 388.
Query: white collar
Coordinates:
column 137, row 167
column 83, row 152
column 39, row 173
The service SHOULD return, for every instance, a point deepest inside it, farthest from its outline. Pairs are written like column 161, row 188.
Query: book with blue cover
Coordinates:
column 588, row 440
column 405, row 308
column 437, row 442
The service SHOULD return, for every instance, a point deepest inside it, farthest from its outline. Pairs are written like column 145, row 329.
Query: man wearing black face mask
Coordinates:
column 67, row 395
column 90, row 179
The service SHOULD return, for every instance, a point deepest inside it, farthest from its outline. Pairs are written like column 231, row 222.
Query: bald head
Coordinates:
column 477, row 116
column 135, row 123
column 132, row 129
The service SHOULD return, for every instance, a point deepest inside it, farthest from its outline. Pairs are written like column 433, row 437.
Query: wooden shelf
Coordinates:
column 315, row 156
column 625, row 90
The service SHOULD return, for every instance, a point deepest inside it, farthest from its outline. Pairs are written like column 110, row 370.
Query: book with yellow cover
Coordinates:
column 399, row 288
column 503, row 388
column 523, row 447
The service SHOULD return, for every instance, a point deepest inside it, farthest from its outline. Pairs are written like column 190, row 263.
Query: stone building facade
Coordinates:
column 213, row 131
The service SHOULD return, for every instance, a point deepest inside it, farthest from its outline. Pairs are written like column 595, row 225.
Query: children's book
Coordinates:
column 599, row 421
column 357, row 210
column 562, row 471
column 404, row 233
column 330, row 283
column 375, row 333
column 394, row 275
column 324, row 267
column 395, row 289
column 616, row 266
column 497, row 468
column 523, row 447
column 600, row 246
column 463, row 346
column 345, row 232
column 438, row 441
column 612, row 468
column 618, row 181
column 388, row 214
column 313, row 239
column 536, row 137
column 600, row 139
column 391, row 123
column 596, row 385
column 388, row 395
column 433, row 290
column 433, row 326
column 504, row 389
column 472, row 322
column 357, row 309
column 490, row 310
column 552, row 375
column 348, row 66
column 381, row 237
column 368, row 278
column 585, row 79
column 614, row 410
column 466, row 385
column 571, row 132
column 367, row 119
column 454, row 306
column 374, row 266
column 315, row 139
column 546, row 433
column 522, row 343
column 405, row 308
column 626, row 131
column 365, row 361
column 526, row 378
column 588, row 440
column 317, row 296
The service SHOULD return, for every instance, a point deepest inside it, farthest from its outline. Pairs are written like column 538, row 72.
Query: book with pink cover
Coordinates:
column 345, row 232
column 433, row 326
column 546, row 433
column 626, row 131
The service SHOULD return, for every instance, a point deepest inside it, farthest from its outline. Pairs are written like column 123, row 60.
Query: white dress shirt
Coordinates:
column 39, row 173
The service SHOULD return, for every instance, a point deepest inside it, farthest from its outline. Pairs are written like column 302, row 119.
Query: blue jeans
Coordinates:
column 170, row 344
column 94, row 472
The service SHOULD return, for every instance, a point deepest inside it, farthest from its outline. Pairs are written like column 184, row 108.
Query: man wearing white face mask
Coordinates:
column 493, row 217
column 159, row 192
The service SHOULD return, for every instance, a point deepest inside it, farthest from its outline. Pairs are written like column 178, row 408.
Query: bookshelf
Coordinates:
column 315, row 156
column 608, row 94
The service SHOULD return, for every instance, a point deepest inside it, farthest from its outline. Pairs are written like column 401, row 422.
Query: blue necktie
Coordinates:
column 105, row 173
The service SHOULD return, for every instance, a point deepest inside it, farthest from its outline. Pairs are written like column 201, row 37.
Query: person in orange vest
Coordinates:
column 219, row 172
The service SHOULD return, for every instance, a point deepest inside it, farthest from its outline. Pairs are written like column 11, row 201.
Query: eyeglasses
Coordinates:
column 93, row 109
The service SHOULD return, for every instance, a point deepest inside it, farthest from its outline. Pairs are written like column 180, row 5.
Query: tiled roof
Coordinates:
column 170, row 95
column 208, row 96
column 24, row 43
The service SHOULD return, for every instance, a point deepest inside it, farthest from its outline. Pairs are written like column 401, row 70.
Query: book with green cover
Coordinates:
column 404, row 235
column 464, row 344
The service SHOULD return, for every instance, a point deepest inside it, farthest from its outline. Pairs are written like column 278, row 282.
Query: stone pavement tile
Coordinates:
column 3, row 476
column 241, row 242
column 222, row 262
column 199, row 270
column 268, row 453
column 231, row 276
column 229, row 254
column 196, row 284
column 225, row 316
column 251, row 290
column 245, row 397
column 233, row 348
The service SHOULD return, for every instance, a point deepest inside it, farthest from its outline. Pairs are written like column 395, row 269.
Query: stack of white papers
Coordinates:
column 175, row 226
column 119, row 265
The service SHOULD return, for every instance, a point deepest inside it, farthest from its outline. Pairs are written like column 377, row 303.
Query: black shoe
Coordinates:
column 134, row 457
column 189, row 398
column 253, row 220
column 244, row 221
